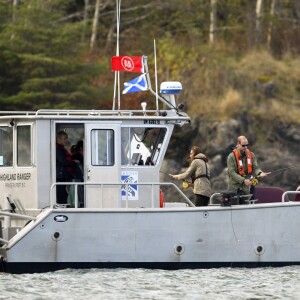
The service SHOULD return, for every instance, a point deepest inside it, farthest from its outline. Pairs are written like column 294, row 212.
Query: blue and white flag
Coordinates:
column 137, row 84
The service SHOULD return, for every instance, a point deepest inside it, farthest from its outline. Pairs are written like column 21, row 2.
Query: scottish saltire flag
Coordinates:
column 137, row 84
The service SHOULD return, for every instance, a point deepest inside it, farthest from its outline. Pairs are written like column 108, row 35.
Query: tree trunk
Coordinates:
column 85, row 18
column 110, row 35
column 95, row 26
column 213, row 21
column 250, row 15
column 15, row 5
column 258, row 25
column 270, row 30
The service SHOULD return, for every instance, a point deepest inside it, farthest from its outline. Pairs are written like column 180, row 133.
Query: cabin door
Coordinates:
column 102, row 165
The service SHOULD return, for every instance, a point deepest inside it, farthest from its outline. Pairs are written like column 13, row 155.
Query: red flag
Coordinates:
column 127, row 64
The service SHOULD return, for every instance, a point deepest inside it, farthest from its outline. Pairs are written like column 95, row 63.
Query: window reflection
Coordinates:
column 102, row 147
column 24, row 146
column 6, row 146
column 140, row 145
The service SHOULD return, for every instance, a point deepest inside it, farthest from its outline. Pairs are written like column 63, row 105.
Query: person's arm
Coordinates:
column 190, row 171
column 62, row 160
column 256, row 170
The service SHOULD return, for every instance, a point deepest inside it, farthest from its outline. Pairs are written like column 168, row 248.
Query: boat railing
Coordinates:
column 232, row 200
column 95, row 113
column 16, row 216
column 110, row 184
column 285, row 195
column 62, row 112
column 17, row 113
column 88, row 113
column 7, row 216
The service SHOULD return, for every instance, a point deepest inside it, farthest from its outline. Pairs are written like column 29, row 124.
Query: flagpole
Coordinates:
column 118, row 36
column 156, row 92
column 117, row 74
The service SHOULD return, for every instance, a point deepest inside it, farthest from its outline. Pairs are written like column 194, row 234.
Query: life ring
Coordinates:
column 161, row 199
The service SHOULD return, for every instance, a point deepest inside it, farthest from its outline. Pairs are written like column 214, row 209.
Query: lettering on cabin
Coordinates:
column 153, row 122
column 15, row 176
column 11, row 180
column 14, row 184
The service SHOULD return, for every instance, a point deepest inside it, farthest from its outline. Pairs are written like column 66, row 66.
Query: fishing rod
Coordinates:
column 254, row 179
column 283, row 169
column 185, row 184
column 165, row 173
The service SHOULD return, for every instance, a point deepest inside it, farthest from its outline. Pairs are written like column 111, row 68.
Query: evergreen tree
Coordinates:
column 43, row 56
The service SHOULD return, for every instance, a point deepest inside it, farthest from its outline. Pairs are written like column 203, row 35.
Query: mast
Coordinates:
column 117, row 73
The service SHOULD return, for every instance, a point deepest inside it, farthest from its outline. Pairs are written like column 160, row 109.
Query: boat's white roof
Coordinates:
column 166, row 115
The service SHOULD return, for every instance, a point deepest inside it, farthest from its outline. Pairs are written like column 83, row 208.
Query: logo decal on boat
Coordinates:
column 60, row 218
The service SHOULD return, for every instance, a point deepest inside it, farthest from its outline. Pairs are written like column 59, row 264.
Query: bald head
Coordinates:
column 242, row 143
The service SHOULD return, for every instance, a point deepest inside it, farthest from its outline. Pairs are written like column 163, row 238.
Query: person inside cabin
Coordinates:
column 64, row 167
column 242, row 164
column 149, row 161
column 77, row 172
column 199, row 172
column 73, row 149
column 77, row 152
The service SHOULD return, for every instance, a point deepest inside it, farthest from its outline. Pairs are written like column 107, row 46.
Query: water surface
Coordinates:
column 224, row 283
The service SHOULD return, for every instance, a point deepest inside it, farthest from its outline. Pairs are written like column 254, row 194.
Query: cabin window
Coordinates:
column 141, row 145
column 6, row 146
column 24, row 145
column 102, row 145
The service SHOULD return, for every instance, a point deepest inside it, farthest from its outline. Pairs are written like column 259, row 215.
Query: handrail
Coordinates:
column 213, row 196
column 4, row 241
column 94, row 113
column 180, row 192
column 12, row 112
column 17, row 216
column 152, row 184
column 288, row 192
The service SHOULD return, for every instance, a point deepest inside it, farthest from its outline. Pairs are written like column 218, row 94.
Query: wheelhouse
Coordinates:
column 123, row 153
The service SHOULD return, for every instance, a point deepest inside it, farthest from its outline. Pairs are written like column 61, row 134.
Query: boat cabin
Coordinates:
column 123, row 153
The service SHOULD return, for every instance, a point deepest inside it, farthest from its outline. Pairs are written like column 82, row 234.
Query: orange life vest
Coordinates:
column 239, row 162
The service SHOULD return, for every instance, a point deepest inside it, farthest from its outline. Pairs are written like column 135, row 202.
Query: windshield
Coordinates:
column 141, row 145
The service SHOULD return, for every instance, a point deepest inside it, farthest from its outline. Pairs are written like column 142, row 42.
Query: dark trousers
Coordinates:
column 61, row 192
column 201, row 200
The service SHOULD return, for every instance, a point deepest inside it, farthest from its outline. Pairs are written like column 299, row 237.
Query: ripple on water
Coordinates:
column 223, row 283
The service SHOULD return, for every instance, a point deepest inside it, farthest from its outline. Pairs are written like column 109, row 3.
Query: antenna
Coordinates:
column 156, row 88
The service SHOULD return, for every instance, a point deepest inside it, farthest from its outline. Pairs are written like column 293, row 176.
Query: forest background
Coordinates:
column 238, row 62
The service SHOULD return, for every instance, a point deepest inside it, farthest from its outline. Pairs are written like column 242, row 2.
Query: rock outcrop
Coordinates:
column 275, row 144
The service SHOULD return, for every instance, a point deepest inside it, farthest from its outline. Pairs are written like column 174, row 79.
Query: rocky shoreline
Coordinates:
column 275, row 144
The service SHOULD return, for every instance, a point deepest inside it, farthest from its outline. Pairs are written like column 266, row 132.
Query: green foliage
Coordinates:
column 45, row 60
column 42, row 63
column 222, row 87
column 10, row 72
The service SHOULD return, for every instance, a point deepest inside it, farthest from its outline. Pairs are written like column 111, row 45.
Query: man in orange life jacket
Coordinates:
column 242, row 162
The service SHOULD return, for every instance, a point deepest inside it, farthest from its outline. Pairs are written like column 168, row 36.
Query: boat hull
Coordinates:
column 237, row 236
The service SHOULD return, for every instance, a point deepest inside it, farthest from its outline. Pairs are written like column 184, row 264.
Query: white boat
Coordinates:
column 121, row 221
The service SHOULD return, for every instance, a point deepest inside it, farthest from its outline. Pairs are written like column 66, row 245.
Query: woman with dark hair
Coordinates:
column 77, row 151
column 199, row 172
column 64, row 166
column 77, row 154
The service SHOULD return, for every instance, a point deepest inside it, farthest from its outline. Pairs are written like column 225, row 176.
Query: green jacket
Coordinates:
column 198, row 167
column 235, row 180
